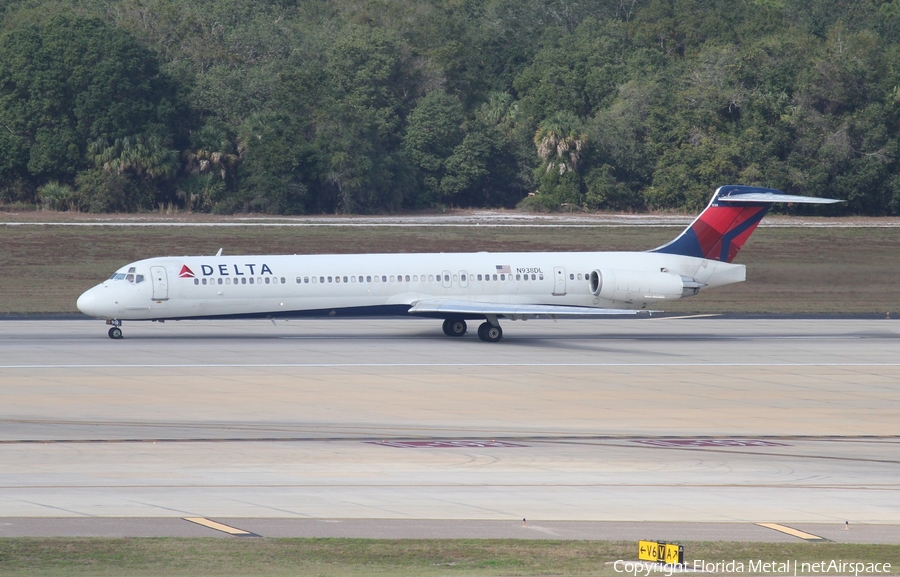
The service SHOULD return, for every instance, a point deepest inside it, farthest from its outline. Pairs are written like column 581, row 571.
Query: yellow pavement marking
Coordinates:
column 792, row 532
column 217, row 526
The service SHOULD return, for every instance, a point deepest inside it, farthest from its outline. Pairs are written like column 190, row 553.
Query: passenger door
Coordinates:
column 160, row 283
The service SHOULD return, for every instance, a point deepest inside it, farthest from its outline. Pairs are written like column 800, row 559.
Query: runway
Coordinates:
column 575, row 425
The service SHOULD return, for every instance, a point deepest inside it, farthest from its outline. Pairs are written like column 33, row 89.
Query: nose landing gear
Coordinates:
column 115, row 332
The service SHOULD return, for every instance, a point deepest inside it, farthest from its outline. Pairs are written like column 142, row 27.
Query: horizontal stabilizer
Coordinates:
column 515, row 311
column 773, row 197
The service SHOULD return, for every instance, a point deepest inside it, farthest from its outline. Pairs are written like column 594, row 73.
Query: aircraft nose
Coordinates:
column 88, row 303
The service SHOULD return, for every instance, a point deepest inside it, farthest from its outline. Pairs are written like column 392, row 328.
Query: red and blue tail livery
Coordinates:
column 728, row 221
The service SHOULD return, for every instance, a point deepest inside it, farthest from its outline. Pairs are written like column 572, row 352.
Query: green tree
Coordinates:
column 68, row 81
column 433, row 130
column 368, row 91
column 278, row 165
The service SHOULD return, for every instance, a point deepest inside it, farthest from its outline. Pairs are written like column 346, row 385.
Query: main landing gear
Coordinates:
column 455, row 327
column 489, row 332
column 115, row 332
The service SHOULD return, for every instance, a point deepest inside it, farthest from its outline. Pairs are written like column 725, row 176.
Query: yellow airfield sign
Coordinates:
column 648, row 551
column 661, row 552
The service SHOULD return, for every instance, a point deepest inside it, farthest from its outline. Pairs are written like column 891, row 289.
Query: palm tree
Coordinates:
column 211, row 150
column 560, row 140
column 145, row 155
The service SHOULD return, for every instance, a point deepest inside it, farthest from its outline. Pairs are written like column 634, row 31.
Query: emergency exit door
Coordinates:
column 559, row 281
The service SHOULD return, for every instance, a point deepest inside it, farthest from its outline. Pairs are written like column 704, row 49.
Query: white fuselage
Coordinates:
column 377, row 284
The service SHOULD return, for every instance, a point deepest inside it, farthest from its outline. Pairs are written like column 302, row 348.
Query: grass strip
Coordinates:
column 789, row 270
column 174, row 557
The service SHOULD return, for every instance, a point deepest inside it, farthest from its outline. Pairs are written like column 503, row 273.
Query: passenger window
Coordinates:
column 392, row 278
column 579, row 276
column 196, row 281
column 533, row 277
column 502, row 277
column 203, row 281
column 415, row 278
column 251, row 280
column 431, row 278
column 518, row 277
column 329, row 279
column 407, row 278
column 298, row 280
column 219, row 281
column 345, row 279
column 495, row 277
column 267, row 280
column 228, row 280
column 306, row 280
column 542, row 276
column 282, row 280
column 368, row 279
column 383, row 278
column 571, row 276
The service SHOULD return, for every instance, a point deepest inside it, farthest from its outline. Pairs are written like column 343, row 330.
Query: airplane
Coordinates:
column 455, row 287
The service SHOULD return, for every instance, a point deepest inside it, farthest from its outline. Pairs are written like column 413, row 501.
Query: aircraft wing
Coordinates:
column 512, row 311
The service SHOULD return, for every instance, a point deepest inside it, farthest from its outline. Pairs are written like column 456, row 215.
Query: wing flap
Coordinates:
column 512, row 311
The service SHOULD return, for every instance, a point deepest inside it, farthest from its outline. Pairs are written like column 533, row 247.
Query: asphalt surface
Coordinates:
column 691, row 429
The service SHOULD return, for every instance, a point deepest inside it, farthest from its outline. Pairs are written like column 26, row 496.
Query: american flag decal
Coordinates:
column 503, row 268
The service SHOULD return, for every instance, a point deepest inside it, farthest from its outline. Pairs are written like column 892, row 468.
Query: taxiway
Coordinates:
column 710, row 422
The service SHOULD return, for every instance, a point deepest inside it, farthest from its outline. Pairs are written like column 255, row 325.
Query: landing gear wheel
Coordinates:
column 115, row 333
column 455, row 328
column 490, row 333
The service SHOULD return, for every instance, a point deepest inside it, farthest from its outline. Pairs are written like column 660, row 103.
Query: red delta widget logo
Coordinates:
column 249, row 269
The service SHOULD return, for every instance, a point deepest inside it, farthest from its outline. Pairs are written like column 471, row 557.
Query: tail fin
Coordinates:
column 728, row 221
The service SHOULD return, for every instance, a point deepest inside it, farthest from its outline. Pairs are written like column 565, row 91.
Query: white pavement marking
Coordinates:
column 426, row 365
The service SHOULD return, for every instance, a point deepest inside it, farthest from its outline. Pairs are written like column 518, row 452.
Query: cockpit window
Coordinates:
column 130, row 276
